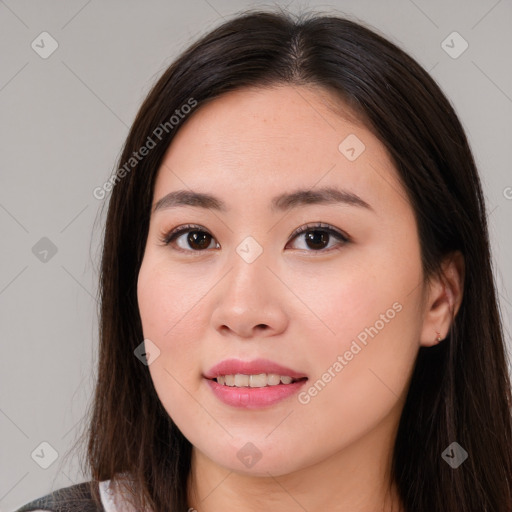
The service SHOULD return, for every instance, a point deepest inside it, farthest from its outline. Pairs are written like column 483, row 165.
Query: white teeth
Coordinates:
column 253, row 381
column 273, row 379
column 241, row 380
column 258, row 381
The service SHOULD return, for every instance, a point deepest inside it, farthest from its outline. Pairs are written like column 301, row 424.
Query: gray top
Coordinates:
column 75, row 498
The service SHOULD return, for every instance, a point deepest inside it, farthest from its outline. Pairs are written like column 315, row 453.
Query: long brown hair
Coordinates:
column 460, row 389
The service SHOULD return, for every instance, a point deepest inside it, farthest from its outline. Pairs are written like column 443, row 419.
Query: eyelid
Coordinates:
column 167, row 237
column 321, row 226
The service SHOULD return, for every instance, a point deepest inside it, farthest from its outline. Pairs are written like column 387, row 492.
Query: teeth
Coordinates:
column 273, row 379
column 253, row 381
column 258, row 381
column 241, row 380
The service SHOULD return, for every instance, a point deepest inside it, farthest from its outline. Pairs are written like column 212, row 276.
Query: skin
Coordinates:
column 296, row 305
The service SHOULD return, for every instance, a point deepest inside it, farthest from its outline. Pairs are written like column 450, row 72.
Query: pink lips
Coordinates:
column 252, row 398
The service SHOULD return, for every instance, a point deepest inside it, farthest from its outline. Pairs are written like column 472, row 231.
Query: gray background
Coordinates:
column 63, row 121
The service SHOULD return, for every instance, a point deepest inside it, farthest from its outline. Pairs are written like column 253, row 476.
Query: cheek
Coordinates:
column 166, row 300
column 361, row 371
column 365, row 331
column 341, row 302
column 169, row 319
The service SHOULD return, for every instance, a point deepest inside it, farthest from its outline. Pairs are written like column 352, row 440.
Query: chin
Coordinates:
column 261, row 460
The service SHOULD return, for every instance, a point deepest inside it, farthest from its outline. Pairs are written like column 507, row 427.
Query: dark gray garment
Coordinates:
column 75, row 498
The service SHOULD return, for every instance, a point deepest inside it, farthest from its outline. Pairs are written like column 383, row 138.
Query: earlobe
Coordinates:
column 445, row 298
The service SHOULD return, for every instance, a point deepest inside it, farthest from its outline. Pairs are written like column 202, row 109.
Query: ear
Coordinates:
column 443, row 300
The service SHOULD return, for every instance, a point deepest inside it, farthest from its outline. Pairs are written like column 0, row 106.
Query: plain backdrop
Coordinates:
column 64, row 117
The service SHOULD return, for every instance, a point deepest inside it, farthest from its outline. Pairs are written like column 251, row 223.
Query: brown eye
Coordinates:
column 317, row 237
column 189, row 238
column 198, row 239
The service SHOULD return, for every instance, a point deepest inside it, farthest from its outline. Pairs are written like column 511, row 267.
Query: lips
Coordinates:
column 254, row 367
column 229, row 383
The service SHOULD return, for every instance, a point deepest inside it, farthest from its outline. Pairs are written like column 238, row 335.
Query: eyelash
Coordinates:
column 168, row 237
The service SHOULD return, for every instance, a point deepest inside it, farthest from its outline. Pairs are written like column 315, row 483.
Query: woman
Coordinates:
column 298, row 309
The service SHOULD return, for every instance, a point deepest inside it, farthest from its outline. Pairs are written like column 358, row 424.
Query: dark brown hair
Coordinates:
column 460, row 389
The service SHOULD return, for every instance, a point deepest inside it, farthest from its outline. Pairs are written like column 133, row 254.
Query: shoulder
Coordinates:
column 75, row 498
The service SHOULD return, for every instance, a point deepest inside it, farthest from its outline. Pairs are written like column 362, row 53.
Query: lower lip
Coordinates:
column 254, row 398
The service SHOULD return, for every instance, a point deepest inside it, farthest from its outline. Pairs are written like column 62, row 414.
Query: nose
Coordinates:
column 250, row 301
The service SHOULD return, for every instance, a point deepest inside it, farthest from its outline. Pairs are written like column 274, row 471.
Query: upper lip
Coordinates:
column 254, row 367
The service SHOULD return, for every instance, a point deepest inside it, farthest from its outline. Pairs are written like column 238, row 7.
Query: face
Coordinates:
column 335, row 308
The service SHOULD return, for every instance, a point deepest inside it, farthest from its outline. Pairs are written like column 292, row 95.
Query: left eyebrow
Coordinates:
column 326, row 195
column 280, row 203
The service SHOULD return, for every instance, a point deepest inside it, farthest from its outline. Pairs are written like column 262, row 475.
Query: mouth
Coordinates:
column 256, row 373
column 253, row 384
column 260, row 380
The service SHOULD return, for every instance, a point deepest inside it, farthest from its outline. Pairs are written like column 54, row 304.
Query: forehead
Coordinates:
column 271, row 139
column 289, row 117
